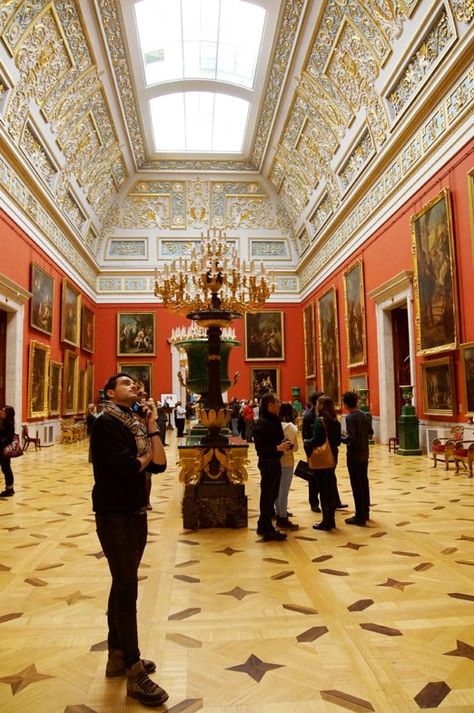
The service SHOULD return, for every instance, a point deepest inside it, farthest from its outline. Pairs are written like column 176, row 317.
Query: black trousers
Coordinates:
column 123, row 539
column 5, row 464
column 328, row 494
column 360, row 489
column 313, row 489
column 180, row 423
column 270, row 476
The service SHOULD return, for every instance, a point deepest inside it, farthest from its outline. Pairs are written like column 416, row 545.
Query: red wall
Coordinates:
column 388, row 252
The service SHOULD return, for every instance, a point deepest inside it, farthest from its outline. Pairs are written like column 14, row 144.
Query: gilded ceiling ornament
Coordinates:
column 463, row 10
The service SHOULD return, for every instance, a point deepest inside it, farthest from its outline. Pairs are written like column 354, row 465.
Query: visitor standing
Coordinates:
column 356, row 437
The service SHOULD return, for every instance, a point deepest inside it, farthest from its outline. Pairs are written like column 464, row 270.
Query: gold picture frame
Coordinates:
column 264, row 336
column 329, row 362
column 90, row 383
column 70, row 314
column 82, row 391
column 55, row 387
column 263, row 380
column 70, row 382
column 87, row 329
column 435, row 276
column 38, row 379
column 355, row 314
column 42, row 300
column 467, row 369
column 470, row 189
column 438, row 388
column 136, row 334
column 141, row 372
column 309, row 331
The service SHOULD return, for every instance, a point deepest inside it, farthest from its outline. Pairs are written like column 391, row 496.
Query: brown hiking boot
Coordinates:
column 141, row 687
column 116, row 664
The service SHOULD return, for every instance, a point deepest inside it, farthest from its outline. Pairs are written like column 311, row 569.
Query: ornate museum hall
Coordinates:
column 225, row 199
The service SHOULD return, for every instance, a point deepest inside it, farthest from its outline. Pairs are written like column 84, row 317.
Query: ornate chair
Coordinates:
column 27, row 439
column 464, row 453
column 443, row 448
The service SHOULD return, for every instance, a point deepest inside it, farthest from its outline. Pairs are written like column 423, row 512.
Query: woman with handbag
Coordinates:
column 7, row 431
column 323, row 460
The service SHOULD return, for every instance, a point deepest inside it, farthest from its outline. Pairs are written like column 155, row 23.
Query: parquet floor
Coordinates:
column 362, row 619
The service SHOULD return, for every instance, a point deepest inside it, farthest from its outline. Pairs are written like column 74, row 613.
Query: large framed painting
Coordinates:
column 135, row 333
column 264, row 380
column 38, row 379
column 435, row 276
column 70, row 381
column 81, row 391
column 309, row 341
column 42, row 300
column 329, row 346
column 264, row 336
column 90, row 383
column 470, row 183
column 87, row 329
column 55, row 387
column 357, row 382
column 70, row 314
column 142, row 373
column 437, row 382
column 467, row 363
column 355, row 314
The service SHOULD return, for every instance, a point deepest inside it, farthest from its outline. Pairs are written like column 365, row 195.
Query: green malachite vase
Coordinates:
column 197, row 353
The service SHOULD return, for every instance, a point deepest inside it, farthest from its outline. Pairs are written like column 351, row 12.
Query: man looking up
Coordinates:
column 356, row 437
column 123, row 447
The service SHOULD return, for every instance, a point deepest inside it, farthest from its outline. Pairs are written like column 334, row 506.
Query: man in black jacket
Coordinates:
column 122, row 448
column 270, row 445
column 358, row 431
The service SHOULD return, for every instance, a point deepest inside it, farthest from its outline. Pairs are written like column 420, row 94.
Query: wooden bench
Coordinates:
column 464, row 453
column 442, row 452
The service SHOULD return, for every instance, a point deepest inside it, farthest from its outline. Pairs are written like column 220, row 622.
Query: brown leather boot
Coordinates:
column 141, row 687
column 116, row 664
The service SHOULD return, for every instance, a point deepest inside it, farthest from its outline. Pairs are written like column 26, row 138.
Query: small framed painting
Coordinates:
column 355, row 314
column 55, row 387
column 357, row 382
column 329, row 346
column 135, row 333
column 438, row 387
column 264, row 380
column 70, row 314
column 38, row 380
column 70, row 381
column 90, row 383
column 467, row 363
column 87, row 329
column 42, row 300
column 309, row 341
column 264, row 336
column 142, row 373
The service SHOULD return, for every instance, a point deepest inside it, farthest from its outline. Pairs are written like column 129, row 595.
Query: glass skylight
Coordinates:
column 199, row 39
column 199, row 122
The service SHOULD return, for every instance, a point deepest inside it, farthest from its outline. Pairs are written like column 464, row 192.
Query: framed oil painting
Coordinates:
column 38, row 379
column 70, row 315
column 264, row 380
column 55, row 387
column 135, row 333
column 42, row 300
column 142, row 373
column 309, row 341
column 329, row 346
column 467, row 363
column 435, row 276
column 357, row 381
column 355, row 314
column 70, row 381
column 90, row 383
column 437, row 382
column 264, row 336
column 87, row 329
column 470, row 183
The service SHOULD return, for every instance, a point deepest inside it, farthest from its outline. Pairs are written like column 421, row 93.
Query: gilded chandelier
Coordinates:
column 213, row 278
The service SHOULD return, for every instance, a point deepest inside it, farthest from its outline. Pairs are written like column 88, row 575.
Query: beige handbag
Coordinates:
column 322, row 457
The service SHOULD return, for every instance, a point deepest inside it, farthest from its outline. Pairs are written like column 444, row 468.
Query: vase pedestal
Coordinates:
column 214, row 477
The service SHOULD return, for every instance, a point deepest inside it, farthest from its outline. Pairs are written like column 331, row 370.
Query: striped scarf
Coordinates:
column 133, row 423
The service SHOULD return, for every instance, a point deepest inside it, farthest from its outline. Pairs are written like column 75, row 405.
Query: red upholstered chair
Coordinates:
column 27, row 439
column 464, row 453
column 442, row 449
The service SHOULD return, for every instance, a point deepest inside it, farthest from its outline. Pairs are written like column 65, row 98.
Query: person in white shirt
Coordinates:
column 180, row 417
column 290, row 431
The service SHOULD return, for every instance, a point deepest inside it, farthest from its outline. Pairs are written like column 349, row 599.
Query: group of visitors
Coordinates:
column 275, row 437
column 243, row 417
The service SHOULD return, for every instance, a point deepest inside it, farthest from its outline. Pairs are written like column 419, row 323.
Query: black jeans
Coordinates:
column 328, row 494
column 313, row 489
column 123, row 539
column 7, row 471
column 360, row 489
column 270, row 476
column 180, row 424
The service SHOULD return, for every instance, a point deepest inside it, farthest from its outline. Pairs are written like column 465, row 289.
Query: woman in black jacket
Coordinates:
column 327, row 426
column 7, row 431
column 270, row 445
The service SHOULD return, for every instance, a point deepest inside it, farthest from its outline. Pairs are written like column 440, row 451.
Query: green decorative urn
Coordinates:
column 197, row 352
column 408, row 425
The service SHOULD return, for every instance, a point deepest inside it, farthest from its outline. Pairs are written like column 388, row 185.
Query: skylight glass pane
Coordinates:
column 199, row 39
column 199, row 122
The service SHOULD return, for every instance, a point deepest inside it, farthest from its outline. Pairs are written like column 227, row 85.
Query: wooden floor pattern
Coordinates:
column 361, row 619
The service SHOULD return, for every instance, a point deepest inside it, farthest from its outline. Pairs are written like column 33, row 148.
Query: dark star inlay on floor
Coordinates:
column 237, row 593
column 395, row 584
column 229, row 551
column 22, row 679
column 462, row 649
column 255, row 667
column 352, row 546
